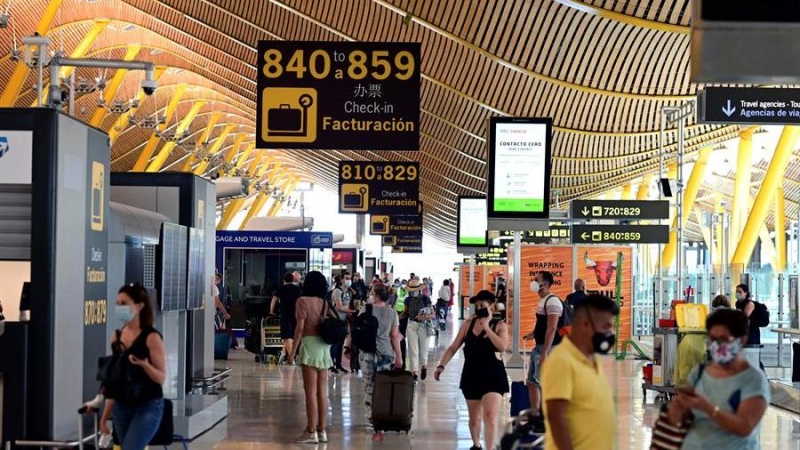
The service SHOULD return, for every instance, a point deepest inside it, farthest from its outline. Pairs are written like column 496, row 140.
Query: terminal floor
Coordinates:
column 266, row 411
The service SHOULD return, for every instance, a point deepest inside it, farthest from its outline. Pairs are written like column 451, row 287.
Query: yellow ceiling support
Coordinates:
column 242, row 158
column 251, row 169
column 644, row 189
column 255, row 208
column 233, row 208
column 79, row 52
column 741, row 188
column 627, row 192
column 201, row 168
column 113, row 85
column 689, row 196
column 625, row 18
column 212, row 122
column 187, row 166
column 123, row 119
column 287, row 186
column 780, row 229
column 152, row 142
column 772, row 179
column 20, row 74
column 166, row 150
column 265, row 165
column 718, row 237
column 235, row 148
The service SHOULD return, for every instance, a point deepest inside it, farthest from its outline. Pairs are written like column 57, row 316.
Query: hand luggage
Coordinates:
column 519, row 389
column 393, row 401
column 222, row 341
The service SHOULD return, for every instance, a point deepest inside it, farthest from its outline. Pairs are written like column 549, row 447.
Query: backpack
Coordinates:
column 760, row 315
column 565, row 321
column 365, row 331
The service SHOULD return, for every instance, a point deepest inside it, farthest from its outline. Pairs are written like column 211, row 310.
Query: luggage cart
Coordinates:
column 271, row 342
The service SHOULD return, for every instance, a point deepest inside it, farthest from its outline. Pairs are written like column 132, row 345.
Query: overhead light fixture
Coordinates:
column 156, row 51
column 129, row 27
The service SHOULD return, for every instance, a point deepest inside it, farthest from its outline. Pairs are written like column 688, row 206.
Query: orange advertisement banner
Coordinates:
column 478, row 276
column 597, row 266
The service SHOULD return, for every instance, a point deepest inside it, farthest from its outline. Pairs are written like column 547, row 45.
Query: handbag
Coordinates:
column 332, row 330
column 113, row 372
column 667, row 435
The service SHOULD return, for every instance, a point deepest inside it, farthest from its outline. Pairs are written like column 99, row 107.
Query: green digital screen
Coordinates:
column 518, row 205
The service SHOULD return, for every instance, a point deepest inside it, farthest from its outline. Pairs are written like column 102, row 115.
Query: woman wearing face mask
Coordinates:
column 729, row 396
column 137, row 415
column 483, row 379
column 744, row 303
column 419, row 309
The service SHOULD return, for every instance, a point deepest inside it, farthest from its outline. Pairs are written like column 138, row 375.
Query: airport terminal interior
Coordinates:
column 195, row 166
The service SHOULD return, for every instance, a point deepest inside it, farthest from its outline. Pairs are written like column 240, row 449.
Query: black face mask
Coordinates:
column 603, row 343
column 482, row 313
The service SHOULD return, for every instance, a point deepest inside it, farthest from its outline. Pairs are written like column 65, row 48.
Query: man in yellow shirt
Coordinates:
column 577, row 397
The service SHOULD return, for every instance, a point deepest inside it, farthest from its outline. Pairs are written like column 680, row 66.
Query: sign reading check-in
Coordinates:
column 338, row 95
column 383, row 188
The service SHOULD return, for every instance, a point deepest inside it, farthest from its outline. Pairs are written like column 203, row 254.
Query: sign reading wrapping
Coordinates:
column 338, row 95
column 383, row 188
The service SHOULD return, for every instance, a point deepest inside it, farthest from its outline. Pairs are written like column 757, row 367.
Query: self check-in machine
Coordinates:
column 71, row 234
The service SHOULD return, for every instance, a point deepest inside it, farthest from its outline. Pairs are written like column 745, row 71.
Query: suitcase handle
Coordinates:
column 285, row 106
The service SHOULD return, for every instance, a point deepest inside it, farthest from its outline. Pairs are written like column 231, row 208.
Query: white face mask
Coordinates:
column 348, row 283
column 534, row 286
column 741, row 296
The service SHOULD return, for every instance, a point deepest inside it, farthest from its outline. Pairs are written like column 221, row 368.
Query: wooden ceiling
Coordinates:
column 603, row 69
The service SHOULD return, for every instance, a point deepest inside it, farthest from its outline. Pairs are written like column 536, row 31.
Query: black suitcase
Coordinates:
column 393, row 401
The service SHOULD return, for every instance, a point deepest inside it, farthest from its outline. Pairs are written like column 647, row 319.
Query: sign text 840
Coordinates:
column 361, row 64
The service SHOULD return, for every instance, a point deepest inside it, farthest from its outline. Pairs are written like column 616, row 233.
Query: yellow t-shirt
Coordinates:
column 591, row 416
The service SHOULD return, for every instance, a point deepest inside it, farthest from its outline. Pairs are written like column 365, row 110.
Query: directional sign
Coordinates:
column 540, row 236
column 406, row 249
column 338, row 95
column 383, row 225
column 620, row 209
column 749, row 105
column 402, row 241
column 620, row 234
column 387, row 188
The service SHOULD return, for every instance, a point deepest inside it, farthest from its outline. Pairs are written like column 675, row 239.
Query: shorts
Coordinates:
column 287, row 329
column 533, row 367
column 476, row 393
column 315, row 353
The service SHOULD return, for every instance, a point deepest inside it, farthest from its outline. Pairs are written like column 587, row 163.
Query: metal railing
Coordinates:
column 208, row 385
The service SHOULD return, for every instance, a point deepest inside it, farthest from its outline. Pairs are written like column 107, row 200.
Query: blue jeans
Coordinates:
column 135, row 425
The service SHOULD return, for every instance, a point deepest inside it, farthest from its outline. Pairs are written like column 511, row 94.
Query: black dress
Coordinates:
column 483, row 372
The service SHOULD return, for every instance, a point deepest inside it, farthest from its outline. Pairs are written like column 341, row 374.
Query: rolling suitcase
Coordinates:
column 222, row 340
column 393, row 401
column 519, row 390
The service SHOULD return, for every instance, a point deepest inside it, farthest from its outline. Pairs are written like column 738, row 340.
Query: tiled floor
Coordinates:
column 266, row 412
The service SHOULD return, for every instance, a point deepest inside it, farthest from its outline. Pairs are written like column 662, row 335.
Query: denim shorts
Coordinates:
column 533, row 367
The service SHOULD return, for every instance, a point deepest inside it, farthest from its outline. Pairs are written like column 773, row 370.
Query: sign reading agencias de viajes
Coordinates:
column 338, row 95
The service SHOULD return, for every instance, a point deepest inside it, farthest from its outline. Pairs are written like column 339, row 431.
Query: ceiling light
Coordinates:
column 129, row 27
column 156, row 51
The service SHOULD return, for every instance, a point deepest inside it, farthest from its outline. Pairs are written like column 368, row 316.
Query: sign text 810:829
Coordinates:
column 318, row 64
column 386, row 172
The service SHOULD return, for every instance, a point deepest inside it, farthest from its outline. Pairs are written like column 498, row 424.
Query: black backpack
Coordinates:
column 760, row 315
column 365, row 331
column 564, row 322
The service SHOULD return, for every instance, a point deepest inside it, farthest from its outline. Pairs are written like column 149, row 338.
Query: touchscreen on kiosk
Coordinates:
column 519, row 167
column 472, row 222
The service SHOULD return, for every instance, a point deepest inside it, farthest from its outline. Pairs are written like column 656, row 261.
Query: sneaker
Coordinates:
column 307, row 438
column 281, row 358
column 322, row 436
column 342, row 370
column 416, row 378
column 424, row 373
column 333, row 370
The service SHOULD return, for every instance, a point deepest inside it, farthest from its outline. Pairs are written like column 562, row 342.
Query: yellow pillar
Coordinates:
column 644, row 188
column 689, row 197
column 233, row 208
column 255, row 208
column 201, row 168
column 166, row 150
column 152, row 142
column 741, row 188
column 717, row 230
column 235, row 147
column 113, row 85
column 627, row 192
column 780, row 229
column 20, row 74
column 124, row 118
column 79, row 52
column 772, row 179
column 251, row 169
column 242, row 158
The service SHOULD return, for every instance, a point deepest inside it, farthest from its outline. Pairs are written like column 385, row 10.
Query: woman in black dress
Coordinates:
column 483, row 379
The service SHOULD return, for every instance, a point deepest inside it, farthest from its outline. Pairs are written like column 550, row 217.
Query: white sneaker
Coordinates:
column 307, row 438
column 322, row 436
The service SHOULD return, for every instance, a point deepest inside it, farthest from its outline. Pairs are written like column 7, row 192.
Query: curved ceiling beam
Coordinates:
column 624, row 18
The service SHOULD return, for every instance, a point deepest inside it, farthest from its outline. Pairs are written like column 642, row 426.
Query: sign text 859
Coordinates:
column 377, row 64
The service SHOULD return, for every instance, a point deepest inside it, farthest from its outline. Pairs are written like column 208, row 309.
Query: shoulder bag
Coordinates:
column 332, row 330
column 667, row 435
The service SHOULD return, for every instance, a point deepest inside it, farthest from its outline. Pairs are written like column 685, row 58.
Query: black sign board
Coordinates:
column 410, row 249
column 620, row 234
column 776, row 11
column 402, row 241
column 620, row 209
column 539, row 236
column 384, row 225
column 749, row 105
column 384, row 188
column 338, row 95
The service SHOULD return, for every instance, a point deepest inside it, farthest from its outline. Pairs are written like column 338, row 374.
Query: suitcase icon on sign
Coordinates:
column 354, row 197
column 380, row 225
column 287, row 121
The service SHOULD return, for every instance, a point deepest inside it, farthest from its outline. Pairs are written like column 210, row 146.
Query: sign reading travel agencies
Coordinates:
column 338, row 95
column 749, row 105
column 519, row 167
column 472, row 222
column 383, row 188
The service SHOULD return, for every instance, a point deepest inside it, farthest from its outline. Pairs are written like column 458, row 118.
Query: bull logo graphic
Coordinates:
column 4, row 147
column 603, row 270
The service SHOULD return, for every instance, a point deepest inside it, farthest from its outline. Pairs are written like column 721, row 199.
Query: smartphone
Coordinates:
column 685, row 390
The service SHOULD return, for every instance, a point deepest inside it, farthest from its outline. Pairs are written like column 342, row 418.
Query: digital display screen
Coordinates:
column 519, row 167
column 472, row 222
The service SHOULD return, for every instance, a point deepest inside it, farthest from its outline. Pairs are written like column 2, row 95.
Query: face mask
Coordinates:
column 741, row 296
column 534, row 286
column 482, row 312
column 348, row 283
column 603, row 343
column 724, row 352
column 403, row 286
column 397, row 285
column 124, row 313
column 414, row 294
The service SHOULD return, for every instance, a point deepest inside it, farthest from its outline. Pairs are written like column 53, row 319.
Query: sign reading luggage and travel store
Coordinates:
column 338, row 95
column 749, row 105
column 620, row 209
column 472, row 222
column 620, row 234
column 384, row 188
column 519, row 167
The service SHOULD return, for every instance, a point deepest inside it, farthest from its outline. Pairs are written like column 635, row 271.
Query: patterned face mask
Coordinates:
column 724, row 352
